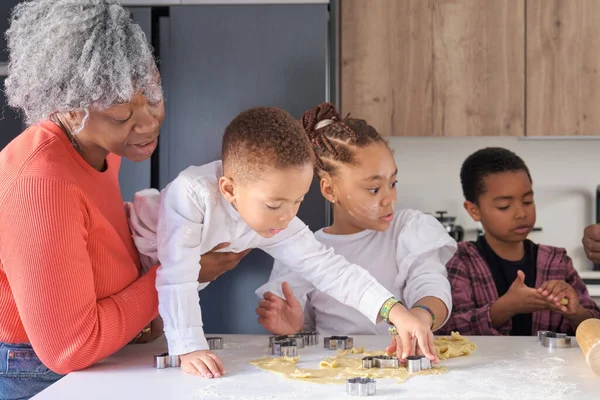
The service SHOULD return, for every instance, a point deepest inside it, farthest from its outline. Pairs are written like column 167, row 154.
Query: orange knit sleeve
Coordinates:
column 45, row 257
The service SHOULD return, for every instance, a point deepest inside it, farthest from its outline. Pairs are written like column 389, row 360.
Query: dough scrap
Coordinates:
column 453, row 346
column 348, row 363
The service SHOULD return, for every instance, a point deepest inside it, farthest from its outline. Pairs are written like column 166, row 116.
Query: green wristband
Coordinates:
column 387, row 307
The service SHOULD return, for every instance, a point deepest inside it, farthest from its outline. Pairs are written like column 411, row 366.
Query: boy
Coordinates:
column 248, row 200
column 504, row 284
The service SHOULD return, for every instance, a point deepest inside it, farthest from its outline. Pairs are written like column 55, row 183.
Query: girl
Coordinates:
column 406, row 250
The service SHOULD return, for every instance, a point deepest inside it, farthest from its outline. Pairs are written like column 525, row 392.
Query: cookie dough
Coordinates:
column 348, row 363
column 453, row 346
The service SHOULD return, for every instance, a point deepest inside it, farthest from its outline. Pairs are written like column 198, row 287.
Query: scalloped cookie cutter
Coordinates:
column 215, row 343
column 310, row 338
column 361, row 387
column 284, row 348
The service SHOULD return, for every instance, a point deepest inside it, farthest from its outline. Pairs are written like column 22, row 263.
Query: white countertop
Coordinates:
column 501, row 368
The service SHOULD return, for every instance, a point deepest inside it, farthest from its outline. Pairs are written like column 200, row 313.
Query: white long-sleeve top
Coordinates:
column 193, row 217
column 408, row 258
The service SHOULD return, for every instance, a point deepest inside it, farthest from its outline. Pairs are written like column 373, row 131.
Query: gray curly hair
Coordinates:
column 72, row 55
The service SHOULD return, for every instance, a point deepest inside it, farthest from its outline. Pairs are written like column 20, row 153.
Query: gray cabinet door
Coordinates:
column 135, row 176
column 6, row 7
column 219, row 60
column 11, row 121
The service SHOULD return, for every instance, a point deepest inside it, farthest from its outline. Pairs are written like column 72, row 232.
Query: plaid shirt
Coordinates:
column 474, row 292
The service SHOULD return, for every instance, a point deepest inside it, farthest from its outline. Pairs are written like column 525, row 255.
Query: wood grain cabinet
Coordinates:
column 472, row 67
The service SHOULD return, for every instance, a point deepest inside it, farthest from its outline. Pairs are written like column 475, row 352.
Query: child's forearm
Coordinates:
column 437, row 307
column 500, row 312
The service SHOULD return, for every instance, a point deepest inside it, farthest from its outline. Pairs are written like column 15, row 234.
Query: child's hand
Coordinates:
column 415, row 350
column 521, row 299
column 410, row 327
column 555, row 291
column 279, row 316
column 202, row 363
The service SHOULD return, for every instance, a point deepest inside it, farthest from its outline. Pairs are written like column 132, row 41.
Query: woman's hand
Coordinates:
column 216, row 263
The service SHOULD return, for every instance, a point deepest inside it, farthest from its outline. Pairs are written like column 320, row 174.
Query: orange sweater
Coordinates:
column 69, row 271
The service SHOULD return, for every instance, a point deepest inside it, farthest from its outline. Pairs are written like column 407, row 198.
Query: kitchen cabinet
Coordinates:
column 563, row 63
column 135, row 176
column 216, row 61
column 478, row 68
column 5, row 8
column 434, row 68
column 471, row 67
column 11, row 122
column 386, row 64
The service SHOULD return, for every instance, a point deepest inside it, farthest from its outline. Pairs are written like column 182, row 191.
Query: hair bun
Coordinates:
column 322, row 112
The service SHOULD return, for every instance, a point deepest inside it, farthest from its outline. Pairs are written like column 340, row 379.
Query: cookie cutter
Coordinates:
column 310, row 338
column 380, row 362
column 215, row 343
column 277, row 338
column 553, row 340
column 417, row 363
column 541, row 334
column 165, row 360
column 298, row 339
column 338, row 342
column 284, row 348
column 361, row 387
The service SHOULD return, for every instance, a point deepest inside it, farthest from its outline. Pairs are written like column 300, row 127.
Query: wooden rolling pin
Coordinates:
column 588, row 338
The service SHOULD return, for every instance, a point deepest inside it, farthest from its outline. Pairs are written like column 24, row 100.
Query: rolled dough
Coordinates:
column 348, row 363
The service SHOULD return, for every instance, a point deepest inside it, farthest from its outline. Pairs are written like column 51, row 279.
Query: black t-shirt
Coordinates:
column 505, row 272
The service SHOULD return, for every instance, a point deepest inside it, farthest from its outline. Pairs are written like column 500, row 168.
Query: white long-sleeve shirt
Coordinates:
column 194, row 217
column 408, row 258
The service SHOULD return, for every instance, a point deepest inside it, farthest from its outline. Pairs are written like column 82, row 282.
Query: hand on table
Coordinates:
column 202, row 363
column 410, row 327
column 415, row 349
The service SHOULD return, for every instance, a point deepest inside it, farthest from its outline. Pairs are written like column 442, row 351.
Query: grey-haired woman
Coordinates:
column 72, row 290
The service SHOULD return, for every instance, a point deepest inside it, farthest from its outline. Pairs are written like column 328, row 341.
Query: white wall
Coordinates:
column 565, row 175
